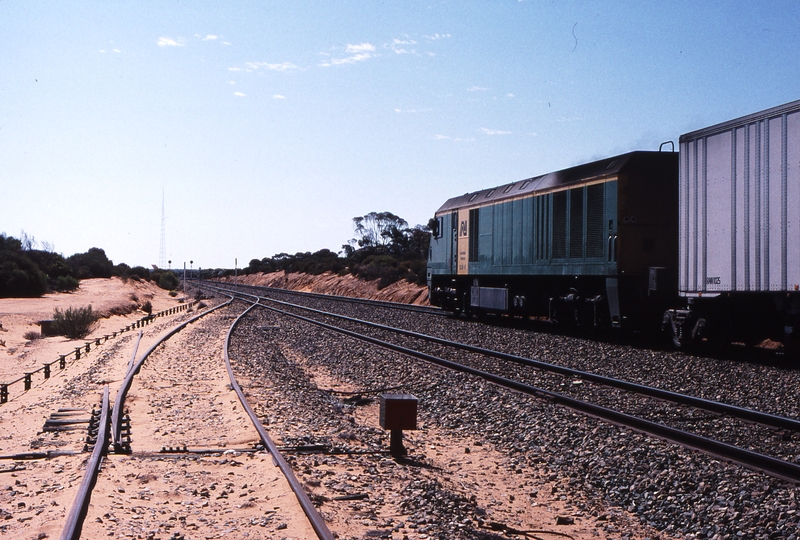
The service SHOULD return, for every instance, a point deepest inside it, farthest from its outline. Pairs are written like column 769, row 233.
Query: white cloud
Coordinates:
column 477, row 89
column 404, row 42
column 239, row 94
column 397, row 110
column 102, row 50
column 360, row 48
column 509, row 95
column 494, row 132
column 117, row 50
column 448, row 138
column 232, row 83
column 234, row 69
column 278, row 96
column 434, row 37
column 210, row 37
column 169, row 42
column 358, row 53
column 255, row 66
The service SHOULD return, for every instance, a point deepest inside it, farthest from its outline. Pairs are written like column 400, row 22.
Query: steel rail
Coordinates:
column 735, row 411
column 753, row 460
column 318, row 524
column 74, row 523
column 119, row 402
column 383, row 303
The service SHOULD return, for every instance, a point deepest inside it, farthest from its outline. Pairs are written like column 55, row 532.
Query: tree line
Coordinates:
column 384, row 248
column 29, row 272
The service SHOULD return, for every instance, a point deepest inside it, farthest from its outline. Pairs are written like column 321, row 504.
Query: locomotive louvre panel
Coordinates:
column 508, row 228
column 542, row 227
column 498, row 236
column 576, row 223
column 559, row 225
column 595, row 220
column 516, row 232
column 485, row 233
column 527, row 230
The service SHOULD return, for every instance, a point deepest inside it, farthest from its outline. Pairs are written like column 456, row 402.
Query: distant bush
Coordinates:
column 32, row 335
column 141, row 272
column 147, row 307
column 19, row 276
column 92, row 264
column 168, row 280
column 66, row 284
column 75, row 323
column 173, row 293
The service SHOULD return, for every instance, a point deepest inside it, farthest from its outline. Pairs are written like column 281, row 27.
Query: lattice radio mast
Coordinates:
column 162, row 252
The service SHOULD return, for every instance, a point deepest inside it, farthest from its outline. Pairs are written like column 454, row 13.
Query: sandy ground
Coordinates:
column 180, row 398
column 330, row 283
column 149, row 495
column 35, row 494
column 19, row 316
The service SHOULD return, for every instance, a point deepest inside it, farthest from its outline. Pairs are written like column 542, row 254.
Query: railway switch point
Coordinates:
column 398, row 412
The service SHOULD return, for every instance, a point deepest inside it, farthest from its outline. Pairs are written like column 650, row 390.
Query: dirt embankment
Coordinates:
column 330, row 283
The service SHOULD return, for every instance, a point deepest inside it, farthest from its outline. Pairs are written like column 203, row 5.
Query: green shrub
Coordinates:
column 173, row 293
column 147, row 307
column 75, row 323
column 66, row 283
column 20, row 277
column 168, row 281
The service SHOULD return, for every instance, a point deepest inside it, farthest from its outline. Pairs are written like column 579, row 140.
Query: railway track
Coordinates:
column 184, row 460
column 214, row 470
column 349, row 300
column 714, row 420
column 652, row 418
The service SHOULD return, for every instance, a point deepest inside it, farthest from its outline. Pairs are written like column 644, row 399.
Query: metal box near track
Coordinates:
column 398, row 411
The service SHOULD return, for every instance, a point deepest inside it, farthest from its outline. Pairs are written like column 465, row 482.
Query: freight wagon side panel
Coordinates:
column 740, row 205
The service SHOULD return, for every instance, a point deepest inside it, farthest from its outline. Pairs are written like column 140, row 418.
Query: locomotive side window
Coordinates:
column 595, row 233
column 576, row 223
column 560, row 225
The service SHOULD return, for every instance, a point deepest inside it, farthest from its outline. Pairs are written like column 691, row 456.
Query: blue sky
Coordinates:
column 269, row 125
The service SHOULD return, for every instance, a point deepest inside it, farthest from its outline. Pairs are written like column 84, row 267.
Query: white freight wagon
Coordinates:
column 739, row 229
